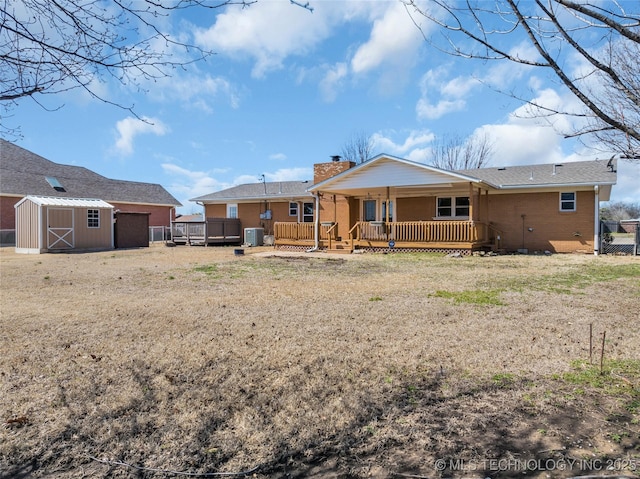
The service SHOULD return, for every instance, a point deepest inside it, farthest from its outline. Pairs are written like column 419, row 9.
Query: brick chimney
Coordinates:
column 322, row 171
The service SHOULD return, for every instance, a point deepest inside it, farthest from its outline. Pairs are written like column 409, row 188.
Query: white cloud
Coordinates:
column 451, row 94
column 628, row 187
column 394, row 39
column 330, row 84
column 267, row 32
column 290, row 174
column 411, row 147
column 278, row 157
column 187, row 184
column 195, row 91
column 131, row 127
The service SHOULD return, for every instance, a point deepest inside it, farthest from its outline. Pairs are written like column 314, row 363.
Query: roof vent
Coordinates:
column 556, row 166
column 54, row 183
column 336, row 158
column 502, row 168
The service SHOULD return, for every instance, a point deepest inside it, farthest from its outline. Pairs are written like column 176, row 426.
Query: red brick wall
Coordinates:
column 7, row 212
column 159, row 215
column 558, row 232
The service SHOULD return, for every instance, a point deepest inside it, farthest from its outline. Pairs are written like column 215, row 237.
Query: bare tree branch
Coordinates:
column 452, row 152
column 358, row 148
column 605, row 36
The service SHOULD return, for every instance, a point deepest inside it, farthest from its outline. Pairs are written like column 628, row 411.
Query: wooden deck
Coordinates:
column 428, row 235
column 209, row 232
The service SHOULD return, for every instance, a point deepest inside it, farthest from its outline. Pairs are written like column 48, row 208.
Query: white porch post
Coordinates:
column 596, row 221
column 316, row 232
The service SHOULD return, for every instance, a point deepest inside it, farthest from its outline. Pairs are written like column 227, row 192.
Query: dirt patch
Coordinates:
column 195, row 360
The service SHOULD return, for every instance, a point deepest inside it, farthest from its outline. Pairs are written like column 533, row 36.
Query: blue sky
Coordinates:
column 288, row 88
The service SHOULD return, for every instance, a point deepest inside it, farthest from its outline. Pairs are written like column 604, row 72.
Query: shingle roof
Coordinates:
column 570, row 173
column 270, row 190
column 24, row 173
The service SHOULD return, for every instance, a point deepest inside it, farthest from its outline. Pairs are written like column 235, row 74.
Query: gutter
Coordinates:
column 554, row 185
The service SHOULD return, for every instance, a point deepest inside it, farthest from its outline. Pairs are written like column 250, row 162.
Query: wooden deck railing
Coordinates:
column 401, row 232
column 303, row 231
column 421, row 231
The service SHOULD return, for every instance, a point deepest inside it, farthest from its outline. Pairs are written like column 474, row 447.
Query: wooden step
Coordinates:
column 339, row 251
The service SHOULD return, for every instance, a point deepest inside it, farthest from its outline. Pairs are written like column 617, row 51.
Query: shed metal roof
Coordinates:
column 70, row 202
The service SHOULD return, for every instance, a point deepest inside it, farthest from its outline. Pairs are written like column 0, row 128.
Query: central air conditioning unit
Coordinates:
column 254, row 236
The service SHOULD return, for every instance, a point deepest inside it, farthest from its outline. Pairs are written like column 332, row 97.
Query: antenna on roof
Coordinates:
column 264, row 183
column 610, row 164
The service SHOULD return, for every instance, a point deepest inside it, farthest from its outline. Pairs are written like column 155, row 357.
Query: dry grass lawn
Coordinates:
column 135, row 363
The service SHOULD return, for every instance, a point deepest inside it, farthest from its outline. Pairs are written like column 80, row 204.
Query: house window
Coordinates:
column 293, row 209
column 568, row 201
column 93, row 218
column 453, row 206
column 388, row 204
column 307, row 212
column 232, row 210
column 369, row 210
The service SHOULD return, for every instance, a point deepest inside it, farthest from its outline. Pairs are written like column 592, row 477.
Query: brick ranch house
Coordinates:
column 392, row 203
column 23, row 173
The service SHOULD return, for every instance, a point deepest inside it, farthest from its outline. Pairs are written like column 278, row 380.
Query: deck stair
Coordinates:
column 340, row 247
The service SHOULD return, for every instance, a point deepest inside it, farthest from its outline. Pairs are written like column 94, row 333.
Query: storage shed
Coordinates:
column 49, row 224
column 131, row 230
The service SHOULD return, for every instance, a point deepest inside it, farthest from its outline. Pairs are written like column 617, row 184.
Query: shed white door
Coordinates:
column 60, row 228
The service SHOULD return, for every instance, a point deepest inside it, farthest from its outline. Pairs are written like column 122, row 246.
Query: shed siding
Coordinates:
column 27, row 236
column 92, row 238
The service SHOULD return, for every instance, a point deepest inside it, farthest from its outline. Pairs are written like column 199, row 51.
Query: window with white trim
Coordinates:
column 307, row 212
column 232, row 210
column 293, row 209
column 93, row 218
column 369, row 210
column 453, row 206
column 568, row 201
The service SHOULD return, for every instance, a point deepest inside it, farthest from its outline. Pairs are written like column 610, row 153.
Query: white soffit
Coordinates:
column 391, row 173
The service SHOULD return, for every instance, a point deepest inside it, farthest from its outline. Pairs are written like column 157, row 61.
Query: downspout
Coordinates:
column 316, row 232
column 596, row 221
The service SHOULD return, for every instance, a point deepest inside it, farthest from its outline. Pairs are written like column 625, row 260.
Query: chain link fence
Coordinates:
column 618, row 240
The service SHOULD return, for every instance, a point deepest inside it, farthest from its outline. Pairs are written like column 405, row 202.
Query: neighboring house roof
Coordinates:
column 71, row 202
column 24, row 173
column 189, row 218
column 276, row 190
